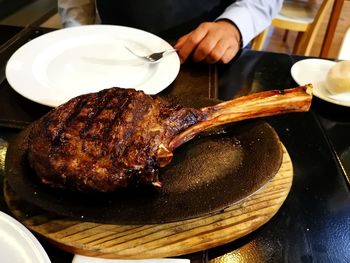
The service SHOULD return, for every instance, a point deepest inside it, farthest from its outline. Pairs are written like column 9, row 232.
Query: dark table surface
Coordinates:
column 313, row 225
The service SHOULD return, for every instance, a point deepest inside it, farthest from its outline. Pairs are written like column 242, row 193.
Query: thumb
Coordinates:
column 181, row 41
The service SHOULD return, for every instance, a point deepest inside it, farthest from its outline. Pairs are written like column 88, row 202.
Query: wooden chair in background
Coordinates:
column 302, row 16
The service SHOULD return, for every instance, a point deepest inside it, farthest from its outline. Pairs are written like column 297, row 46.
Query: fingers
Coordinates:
column 183, row 54
column 216, row 53
column 210, row 42
column 211, row 45
column 223, row 52
column 229, row 55
column 189, row 42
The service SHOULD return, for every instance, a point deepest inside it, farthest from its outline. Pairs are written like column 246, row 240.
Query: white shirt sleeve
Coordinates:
column 251, row 16
column 77, row 12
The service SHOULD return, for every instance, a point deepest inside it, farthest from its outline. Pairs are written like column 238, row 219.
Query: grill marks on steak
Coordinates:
column 106, row 140
column 120, row 137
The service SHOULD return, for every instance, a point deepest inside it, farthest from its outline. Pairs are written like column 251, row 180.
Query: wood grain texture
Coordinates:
column 158, row 240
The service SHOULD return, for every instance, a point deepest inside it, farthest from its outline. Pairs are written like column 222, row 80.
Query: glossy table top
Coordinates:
column 313, row 224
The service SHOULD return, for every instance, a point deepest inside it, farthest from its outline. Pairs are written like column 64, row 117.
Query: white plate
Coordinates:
column 18, row 244
column 315, row 71
column 65, row 63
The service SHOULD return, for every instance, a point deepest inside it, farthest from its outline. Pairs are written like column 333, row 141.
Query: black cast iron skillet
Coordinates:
column 209, row 173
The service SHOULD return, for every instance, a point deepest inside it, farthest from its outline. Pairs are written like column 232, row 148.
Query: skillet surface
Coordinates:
column 209, row 173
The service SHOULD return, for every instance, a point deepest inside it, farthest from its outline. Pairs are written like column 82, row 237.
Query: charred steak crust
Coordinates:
column 119, row 138
column 106, row 140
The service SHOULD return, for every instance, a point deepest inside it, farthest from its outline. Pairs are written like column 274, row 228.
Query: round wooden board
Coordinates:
column 158, row 240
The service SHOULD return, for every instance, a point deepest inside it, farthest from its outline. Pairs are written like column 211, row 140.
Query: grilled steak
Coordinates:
column 120, row 137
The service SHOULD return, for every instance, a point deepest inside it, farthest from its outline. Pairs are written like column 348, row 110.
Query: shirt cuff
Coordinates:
column 240, row 17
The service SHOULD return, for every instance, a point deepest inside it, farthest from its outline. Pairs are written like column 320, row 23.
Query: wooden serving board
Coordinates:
column 157, row 240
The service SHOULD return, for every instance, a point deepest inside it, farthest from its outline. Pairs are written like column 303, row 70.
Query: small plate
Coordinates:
column 65, row 63
column 315, row 71
column 18, row 244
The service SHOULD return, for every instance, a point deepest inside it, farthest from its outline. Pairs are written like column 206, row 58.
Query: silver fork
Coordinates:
column 154, row 57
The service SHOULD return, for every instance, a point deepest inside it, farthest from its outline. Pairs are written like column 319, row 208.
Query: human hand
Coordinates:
column 210, row 42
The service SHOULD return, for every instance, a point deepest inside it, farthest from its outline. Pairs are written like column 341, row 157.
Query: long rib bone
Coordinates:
column 255, row 105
